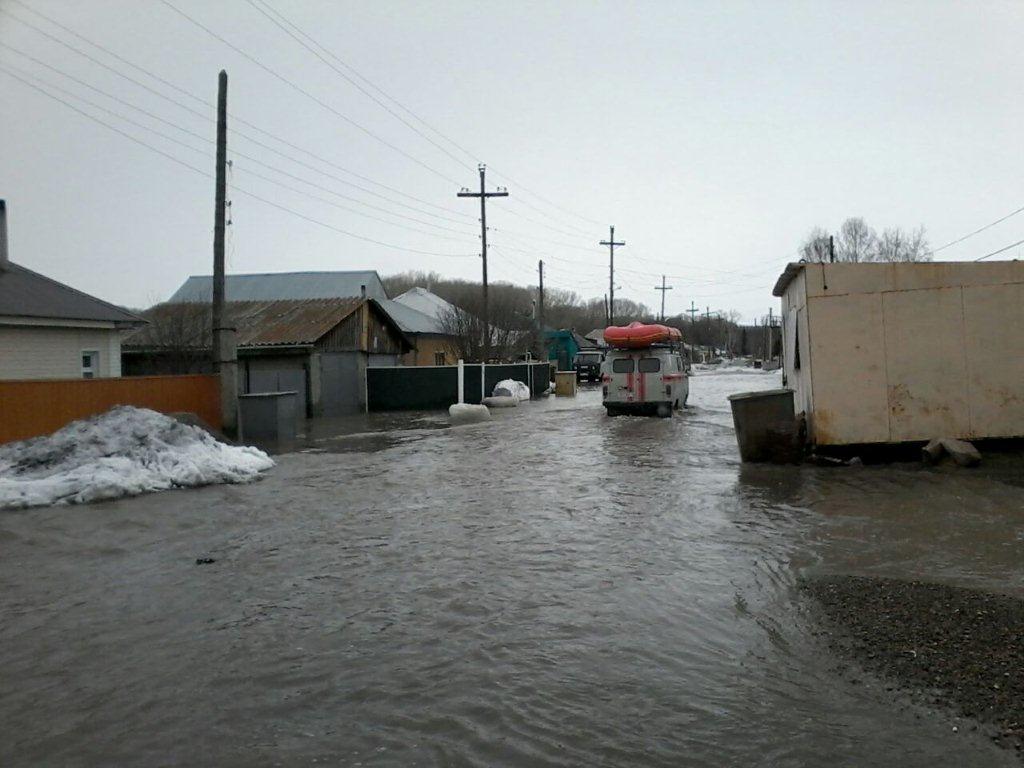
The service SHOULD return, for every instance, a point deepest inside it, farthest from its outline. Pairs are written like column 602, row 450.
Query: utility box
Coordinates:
column 269, row 416
column 903, row 352
column 565, row 383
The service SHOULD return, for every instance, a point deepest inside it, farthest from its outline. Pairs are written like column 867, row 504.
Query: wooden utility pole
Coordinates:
column 540, row 295
column 483, row 194
column 610, row 242
column 693, row 312
column 607, row 319
column 831, row 249
column 225, row 356
column 663, row 288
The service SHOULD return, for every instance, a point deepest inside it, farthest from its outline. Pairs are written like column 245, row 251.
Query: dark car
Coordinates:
column 588, row 366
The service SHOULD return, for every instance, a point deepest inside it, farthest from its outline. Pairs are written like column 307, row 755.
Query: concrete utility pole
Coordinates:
column 610, row 242
column 483, row 195
column 225, row 355
column 663, row 288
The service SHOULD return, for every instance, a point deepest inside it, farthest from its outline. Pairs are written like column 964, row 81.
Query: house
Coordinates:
column 417, row 311
column 596, row 336
column 895, row 352
column 320, row 348
column 423, row 315
column 49, row 330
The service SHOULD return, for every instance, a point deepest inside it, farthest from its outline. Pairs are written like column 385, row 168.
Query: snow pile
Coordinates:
column 123, row 452
column 511, row 388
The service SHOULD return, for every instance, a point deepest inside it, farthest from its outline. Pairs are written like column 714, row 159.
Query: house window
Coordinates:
column 439, row 358
column 90, row 364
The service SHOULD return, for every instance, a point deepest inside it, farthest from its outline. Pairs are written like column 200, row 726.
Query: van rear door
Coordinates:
column 623, row 378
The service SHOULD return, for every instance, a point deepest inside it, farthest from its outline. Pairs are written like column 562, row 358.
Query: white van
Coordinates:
column 648, row 381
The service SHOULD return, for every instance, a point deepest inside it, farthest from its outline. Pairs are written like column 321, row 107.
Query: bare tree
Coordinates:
column 177, row 339
column 896, row 244
column 856, row 242
column 815, row 246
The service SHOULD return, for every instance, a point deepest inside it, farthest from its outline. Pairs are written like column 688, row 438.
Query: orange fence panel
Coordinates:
column 31, row 408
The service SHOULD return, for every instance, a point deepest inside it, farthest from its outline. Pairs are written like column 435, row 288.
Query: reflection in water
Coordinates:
column 554, row 587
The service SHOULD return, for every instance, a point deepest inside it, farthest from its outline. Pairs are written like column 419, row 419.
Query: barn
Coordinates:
column 319, row 348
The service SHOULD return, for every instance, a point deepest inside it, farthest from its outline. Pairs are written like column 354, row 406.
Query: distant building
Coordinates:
column 894, row 352
column 597, row 337
column 319, row 348
column 563, row 344
column 417, row 312
column 49, row 330
column 422, row 315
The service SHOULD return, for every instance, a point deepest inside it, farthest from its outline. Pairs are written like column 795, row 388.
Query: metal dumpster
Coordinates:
column 766, row 426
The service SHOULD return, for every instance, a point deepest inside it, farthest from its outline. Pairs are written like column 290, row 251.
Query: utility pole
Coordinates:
column 831, row 249
column 610, row 242
column 225, row 356
column 483, row 194
column 540, row 297
column 663, row 288
column 607, row 319
column 693, row 312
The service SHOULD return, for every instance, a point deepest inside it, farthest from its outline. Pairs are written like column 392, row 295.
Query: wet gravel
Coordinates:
column 953, row 647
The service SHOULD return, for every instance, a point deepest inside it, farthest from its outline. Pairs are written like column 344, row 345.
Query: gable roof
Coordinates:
column 286, row 323
column 412, row 321
column 272, row 286
column 24, row 293
column 427, row 302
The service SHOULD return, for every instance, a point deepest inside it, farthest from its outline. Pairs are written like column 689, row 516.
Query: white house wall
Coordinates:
column 35, row 352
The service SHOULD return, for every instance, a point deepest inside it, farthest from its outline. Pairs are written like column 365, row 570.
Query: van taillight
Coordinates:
column 606, row 377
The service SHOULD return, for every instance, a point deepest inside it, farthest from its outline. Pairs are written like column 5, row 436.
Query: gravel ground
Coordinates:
column 955, row 648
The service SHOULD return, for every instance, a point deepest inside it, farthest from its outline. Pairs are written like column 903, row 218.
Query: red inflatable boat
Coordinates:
column 639, row 335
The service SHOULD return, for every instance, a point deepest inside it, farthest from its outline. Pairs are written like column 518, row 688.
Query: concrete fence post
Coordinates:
column 462, row 379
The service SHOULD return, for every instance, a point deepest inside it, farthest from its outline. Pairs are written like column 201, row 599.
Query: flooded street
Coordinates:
column 554, row 587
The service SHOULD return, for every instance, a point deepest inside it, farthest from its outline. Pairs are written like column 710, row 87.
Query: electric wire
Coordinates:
column 241, row 190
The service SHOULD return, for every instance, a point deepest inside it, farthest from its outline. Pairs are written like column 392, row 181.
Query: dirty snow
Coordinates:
column 123, row 452
column 511, row 388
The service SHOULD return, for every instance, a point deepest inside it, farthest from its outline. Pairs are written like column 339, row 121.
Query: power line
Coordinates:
column 7, row 68
column 200, row 100
column 356, row 85
column 306, row 93
column 257, row 142
column 972, row 234
column 1001, row 250
column 241, row 190
column 474, row 156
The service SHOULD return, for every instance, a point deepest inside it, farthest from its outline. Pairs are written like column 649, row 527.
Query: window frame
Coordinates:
column 92, row 370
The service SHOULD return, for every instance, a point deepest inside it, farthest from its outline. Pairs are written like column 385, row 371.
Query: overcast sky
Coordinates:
column 714, row 135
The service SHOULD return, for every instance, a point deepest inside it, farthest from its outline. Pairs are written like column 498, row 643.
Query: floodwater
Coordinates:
column 553, row 588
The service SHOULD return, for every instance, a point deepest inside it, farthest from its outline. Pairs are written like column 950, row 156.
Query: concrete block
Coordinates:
column 963, row 453
column 932, row 452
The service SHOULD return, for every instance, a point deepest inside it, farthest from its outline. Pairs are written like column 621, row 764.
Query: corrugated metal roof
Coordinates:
column 258, row 323
column 410, row 320
column 24, row 293
column 425, row 301
column 273, row 286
